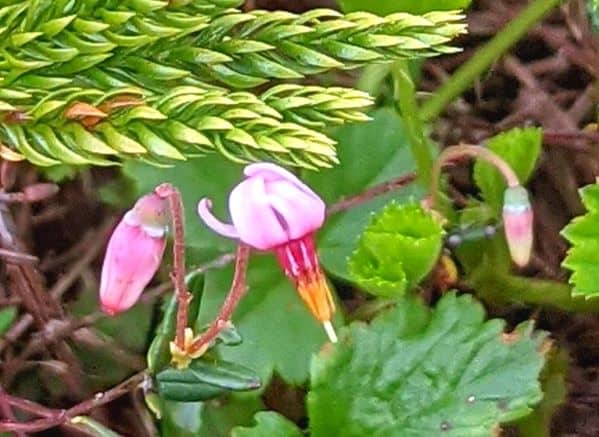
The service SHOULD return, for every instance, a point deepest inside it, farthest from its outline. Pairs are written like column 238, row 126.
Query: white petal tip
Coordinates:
column 328, row 327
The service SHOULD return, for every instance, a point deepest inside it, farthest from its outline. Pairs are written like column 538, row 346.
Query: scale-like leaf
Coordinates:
column 420, row 372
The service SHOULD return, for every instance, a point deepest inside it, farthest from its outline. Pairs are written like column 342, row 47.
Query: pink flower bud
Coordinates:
column 518, row 222
column 133, row 254
column 273, row 210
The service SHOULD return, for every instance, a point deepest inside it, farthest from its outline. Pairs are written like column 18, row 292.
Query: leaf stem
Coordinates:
column 464, row 76
column 407, row 106
column 237, row 291
column 184, row 297
column 456, row 152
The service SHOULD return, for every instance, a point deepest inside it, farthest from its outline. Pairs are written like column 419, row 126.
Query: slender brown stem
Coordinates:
column 175, row 203
column 455, row 152
column 238, row 289
column 378, row 190
column 54, row 418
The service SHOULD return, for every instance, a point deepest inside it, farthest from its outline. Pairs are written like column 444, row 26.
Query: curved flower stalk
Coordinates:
column 273, row 210
column 134, row 254
column 517, row 212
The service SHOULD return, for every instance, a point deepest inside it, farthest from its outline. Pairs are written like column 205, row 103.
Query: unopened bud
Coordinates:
column 134, row 254
column 518, row 223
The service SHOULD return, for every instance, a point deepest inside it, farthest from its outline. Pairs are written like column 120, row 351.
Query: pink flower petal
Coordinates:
column 205, row 213
column 302, row 212
column 132, row 258
column 253, row 216
column 272, row 172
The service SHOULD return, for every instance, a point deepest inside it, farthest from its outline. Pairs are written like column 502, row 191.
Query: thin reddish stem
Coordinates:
column 178, row 274
column 238, row 289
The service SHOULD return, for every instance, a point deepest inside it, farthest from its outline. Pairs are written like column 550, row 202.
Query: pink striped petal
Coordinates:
column 302, row 212
column 272, row 172
column 253, row 216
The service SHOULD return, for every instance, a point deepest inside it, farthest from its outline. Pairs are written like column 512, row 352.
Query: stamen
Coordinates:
column 328, row 327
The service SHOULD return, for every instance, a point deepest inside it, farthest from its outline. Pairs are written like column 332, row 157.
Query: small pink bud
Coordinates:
column 271, row 209
column 133, row 254
column 518, row 222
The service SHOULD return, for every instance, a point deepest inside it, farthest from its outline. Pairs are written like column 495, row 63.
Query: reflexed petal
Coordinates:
column 253, row 216
column 302, row 212
column 205, row 213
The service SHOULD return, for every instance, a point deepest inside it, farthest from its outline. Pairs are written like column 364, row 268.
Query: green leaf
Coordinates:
column 416, row 371
column 269, row 424
column 204, row 380
column 397, row 249
column 159, row 355
column 279, row 334
column 7, row 317
column 386, row 7
column 520, row 148
column 369, row 154
column 583, row 257
column 209, row 419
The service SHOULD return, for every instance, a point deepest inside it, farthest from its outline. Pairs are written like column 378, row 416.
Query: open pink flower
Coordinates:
column 271, row 209
column 518, row 224
column 134, row 254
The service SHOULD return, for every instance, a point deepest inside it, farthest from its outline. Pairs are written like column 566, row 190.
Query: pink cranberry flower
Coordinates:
column 273, row 210
column 517, row 222
column 133, row 254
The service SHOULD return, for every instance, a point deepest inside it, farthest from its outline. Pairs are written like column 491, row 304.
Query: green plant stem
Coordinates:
column 405, row 102
column 463, row 78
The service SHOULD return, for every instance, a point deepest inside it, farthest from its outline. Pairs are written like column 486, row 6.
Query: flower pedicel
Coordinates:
column 273, row 210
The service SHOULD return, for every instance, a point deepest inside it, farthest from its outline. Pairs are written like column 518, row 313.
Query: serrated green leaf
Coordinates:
column 420, row 372
column 583, row 257
column 268, row 424
column 397, row 249
column 520, row 148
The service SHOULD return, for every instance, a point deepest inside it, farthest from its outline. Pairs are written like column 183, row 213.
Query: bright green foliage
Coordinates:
column 208, row 419
column 369, row 154
column 520, row 148
column 205, row 379
column 279, row 334
column 396, row 250
column 385, row 7
column 583, row 256
column 146, row 65
column 7, row 317
column 269, row 424
column 420, row 372
column 187, row 121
